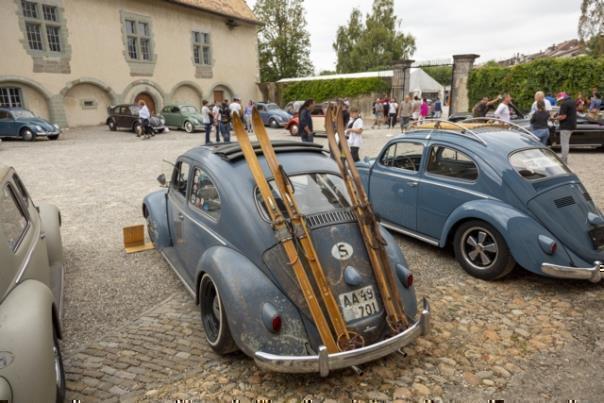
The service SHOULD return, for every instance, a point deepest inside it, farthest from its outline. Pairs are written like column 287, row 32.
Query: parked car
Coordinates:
column 210, row 224
column 22, row 123
column 31, row 289
column 317, row 116
column 272, row 115
column 589, row 133
column 497, row 194
column 126, row 117
column 185, row 117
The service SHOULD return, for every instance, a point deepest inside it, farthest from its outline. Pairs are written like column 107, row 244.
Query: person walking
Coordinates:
column 378, row 112
column 225, row 121
column 568, row 122
column 144, row 115
column 416, row 108
column 216, row 119
column 539, row 122
column 305, row 121
column 205, row 120
column 247, row 115
column 503, row 109
column 405, row 111
column 424, row 109
column 354, row 133
column 438, row 108
column 392, row 110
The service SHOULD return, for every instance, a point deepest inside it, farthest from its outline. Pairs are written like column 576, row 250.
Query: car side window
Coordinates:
column 204, row 194
column 4, row 115
column 180, row 178
column 403, row 155
column 166, row 109
column 260, row 108
column 175, row 110
column 21, row 190
column 12, row 218
column 450, row 162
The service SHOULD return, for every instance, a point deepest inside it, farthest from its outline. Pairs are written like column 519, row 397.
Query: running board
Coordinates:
column 410, row 233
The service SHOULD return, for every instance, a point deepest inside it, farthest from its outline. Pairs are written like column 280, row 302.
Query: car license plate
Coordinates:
column 597, row 237
column 359, row 303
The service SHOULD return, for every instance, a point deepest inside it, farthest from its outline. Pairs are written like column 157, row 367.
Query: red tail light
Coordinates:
column 409, row 280
column 276, row 322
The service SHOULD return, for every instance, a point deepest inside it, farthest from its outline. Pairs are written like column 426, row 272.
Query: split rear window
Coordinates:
column 538, row 163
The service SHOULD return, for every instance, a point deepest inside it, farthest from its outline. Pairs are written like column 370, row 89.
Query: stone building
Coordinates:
column 68, row 60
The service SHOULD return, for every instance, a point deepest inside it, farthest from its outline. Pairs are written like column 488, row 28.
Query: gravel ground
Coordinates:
column 523, row 337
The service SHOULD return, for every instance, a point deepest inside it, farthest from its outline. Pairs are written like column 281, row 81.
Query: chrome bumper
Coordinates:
column 48, row 133
column 593, row 274
column 324, row 362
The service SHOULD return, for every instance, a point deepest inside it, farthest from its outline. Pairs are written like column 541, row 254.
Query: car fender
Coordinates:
column 520, row 231
column 26, row 341
column 244, row 290
column 156, row 213
column 110, row 118
column 51, row 227
column 292, row 121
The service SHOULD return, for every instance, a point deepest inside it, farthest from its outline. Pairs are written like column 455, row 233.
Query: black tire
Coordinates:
column 213, row 318
column 188, row 127
column 112, row 125
column 138, row 129
column 294, row 130
column 53, row 137
column 59, row 369
column 482, row 251
column 27, row 134
column 273, row 123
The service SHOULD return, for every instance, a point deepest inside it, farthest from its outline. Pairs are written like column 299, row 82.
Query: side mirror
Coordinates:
column 162, row 180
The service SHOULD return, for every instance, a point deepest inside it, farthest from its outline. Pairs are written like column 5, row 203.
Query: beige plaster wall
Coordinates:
column 187, row 95
column 77, row 115
column 34, row 101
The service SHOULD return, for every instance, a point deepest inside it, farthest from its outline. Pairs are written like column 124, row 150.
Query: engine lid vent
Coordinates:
column 338, row 216
column 564, row 201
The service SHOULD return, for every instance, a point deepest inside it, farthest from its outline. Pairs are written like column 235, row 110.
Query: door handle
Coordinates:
column 181, row 217
column 412, row 184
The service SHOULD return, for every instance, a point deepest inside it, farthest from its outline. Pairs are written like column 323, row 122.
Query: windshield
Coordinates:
column 23, row 114
column 314, row 193
column 188, row 109
column 538, row 163
column 272, row 107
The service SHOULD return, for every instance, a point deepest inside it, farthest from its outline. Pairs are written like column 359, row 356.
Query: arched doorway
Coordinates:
column 148, row 99
column 221, row 92
column 86, row 104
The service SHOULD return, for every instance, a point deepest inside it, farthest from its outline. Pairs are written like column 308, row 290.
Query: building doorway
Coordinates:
column 218, row 96
column 148, row 99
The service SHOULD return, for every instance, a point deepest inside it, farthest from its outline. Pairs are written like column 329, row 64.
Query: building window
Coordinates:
column 54, row 39
column 34, row 38
column 138, row 39
column 30, row 9
column 36, row 25
column 50, row 13
column 88, row 104
column 201, row 48
column 10, row 97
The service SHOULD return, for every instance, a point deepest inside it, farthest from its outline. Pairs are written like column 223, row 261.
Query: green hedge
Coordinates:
column 323, row 90
column 573, row 75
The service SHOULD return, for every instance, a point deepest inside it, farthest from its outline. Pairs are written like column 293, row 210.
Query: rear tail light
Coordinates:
column 276, row 324
column 548, row 245
column 271, row 318
column 409, row 280
column 404, row 275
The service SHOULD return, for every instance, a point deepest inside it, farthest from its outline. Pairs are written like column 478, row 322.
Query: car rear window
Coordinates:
column 538, row 163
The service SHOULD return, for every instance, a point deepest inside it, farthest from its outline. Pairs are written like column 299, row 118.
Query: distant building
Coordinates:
column 68, row 60
column 570, row 48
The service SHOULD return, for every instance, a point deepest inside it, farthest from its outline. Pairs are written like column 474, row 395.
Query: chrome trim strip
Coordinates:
column 29, row 254
column 182, row 280
column 208, row 230
column 410, row 233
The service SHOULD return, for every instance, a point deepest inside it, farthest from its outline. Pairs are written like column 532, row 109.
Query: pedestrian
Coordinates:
column 540, row 122
column 144, row 115
column 386, row 109
column 225, row 121
column 345, row 113
column 305, row 121
column 503, row 109
column 481, row 108
column 235, row 106
column 247, row 115
column 581, row 104
column 438, row 108
column 416, row 108
column 551, row 99
column 354, row 133
column 206, row 120
column 540, row 96
column 595, row 102
column 216, row 120
column 568, row 122
column 378, row 112
column 392, row 109
column 424, row 109
column 405, row 111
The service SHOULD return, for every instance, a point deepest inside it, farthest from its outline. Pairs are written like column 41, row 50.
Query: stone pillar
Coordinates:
column 462, row 66
column 56, row 110
column 401, row 79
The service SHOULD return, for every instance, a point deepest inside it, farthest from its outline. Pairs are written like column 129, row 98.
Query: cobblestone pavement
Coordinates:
column 133, row 333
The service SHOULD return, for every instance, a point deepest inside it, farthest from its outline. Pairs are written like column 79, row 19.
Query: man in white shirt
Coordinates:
column 205, row 119
column 354, row 132
column 540, row 96
column 144, row 115
column 235, row 106
column 503, row 110
column 216, row 116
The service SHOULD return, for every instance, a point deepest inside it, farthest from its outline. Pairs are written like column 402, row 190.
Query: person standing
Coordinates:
column 595, row 102
column 539, row 122
column 503, row 109
column 581, row 104
column 386, row 109
column 235, row 106
column 305, row 121
column 247, row 115
column 354, row 133
column 225, row 121
column 424, row 109
column 345, row 113
column 205, row 120
column 144, row 115
column 540, row 96
column 481, row 109
column 568, row 122
column 216, row 119
column 392, row 109
column 438, row 108
column 378, row 112
column 416, row 107
column 405, row 112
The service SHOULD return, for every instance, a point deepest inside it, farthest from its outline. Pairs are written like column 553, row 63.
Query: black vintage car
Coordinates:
column 589, row 133
column 126, row 117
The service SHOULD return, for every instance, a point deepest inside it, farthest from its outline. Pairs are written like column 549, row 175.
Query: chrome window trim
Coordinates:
column 406, row 141
column 205, row 228
column 197, row 209
column 24, row 211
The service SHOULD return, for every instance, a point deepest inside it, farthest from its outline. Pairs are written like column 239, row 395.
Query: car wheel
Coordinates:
column 213, row 317
column 112, row 125
column 273, row 123
column 27, row 135
column 53, row 137
column 59, row 370
column 482, row 251
column 293, row 130
column 138, row 129
column 188, row 126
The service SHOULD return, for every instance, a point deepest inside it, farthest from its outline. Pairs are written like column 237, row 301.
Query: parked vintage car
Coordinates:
column 317, row 116
column 494, row 192
column 185, row 117
column 31, row 289
column 126, row 117
column 211, row 227
column 589, row 133
column 272, row 115
column 22, row 123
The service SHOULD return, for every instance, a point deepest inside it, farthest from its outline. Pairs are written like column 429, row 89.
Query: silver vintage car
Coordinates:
column 31, row 285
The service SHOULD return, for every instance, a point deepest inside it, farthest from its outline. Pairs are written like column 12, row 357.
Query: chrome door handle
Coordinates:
column 412, row 184
column 181, row 217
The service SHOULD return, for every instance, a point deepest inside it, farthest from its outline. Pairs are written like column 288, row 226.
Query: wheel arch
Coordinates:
column 154, row 209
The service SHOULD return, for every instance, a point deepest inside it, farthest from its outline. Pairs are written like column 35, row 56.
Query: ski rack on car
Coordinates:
column 451, row 127
column 489, row 120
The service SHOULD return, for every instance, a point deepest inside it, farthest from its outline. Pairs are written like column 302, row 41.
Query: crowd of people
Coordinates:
column 391, row 113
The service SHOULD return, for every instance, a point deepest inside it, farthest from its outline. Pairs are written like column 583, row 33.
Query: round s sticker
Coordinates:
column 342, row 251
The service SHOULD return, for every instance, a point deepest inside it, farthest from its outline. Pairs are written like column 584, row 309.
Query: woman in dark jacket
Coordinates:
column 539, row 122
column 305, row 121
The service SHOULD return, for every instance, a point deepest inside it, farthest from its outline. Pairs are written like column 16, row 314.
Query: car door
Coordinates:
column 170, row 117
column 450, row 180
column 394, row 181
column 8, row 125
column 122, row 116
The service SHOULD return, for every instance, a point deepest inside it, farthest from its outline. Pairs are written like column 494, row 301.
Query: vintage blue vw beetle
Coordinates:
column 494, row 192
column 211, row 226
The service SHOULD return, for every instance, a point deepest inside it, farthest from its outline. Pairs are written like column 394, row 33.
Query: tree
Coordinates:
column 591, row 26
column 372, row 45
column 283, row 40
column 442, row 74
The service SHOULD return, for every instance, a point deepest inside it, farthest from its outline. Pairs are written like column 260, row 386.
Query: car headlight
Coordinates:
column 38, row 128
column 56, row 126
column 194, row 121
column 162, row 120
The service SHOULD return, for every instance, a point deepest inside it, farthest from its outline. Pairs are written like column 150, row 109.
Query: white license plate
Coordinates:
column 359, row 303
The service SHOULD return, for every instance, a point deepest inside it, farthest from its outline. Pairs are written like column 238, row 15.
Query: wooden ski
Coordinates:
column 284, row 236
column 368, row 224
column 346, row 339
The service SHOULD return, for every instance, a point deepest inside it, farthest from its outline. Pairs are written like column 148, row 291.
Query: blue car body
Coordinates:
column 210, row 221
column 437, row 179
column 22, row 123
column 272, row 115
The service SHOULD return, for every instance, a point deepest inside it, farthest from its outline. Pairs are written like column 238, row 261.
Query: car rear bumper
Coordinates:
column 593, row 274
column 323, row 363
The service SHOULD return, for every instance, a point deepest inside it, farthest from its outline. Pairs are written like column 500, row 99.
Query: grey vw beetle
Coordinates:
column 211, row 227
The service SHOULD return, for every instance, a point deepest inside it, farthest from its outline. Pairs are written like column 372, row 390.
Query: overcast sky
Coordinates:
column 492, row 29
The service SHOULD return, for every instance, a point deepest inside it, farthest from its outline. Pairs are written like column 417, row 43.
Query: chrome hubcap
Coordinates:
column 216, row 307
column 479, row 248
